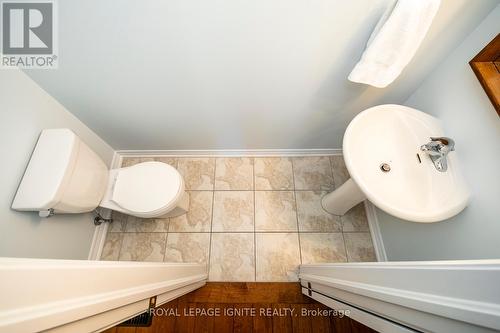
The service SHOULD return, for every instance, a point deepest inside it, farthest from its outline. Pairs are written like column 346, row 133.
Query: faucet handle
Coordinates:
column 445, row 141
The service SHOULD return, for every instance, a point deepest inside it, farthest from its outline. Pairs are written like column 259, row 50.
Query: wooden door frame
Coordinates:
column 486, row 66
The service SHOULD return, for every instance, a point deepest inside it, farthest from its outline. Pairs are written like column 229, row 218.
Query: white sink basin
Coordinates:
column 413, row 189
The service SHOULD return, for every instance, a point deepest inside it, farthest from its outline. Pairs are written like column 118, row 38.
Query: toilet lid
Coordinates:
column 147, row 187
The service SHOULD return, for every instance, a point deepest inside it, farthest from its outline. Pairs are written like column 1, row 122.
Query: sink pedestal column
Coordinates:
column 342, row 199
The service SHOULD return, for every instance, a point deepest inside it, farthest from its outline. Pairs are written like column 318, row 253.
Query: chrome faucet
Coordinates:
column 438, row 149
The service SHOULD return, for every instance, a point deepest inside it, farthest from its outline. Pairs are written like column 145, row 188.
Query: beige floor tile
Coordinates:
column 136, row 224
column 234, row 173
column 233, row 211
column 119, row 222
column 188, row 247
column 277, row 256
column 275, row 211
column 312, row 173
column 340, row 173
column 233, row 251
column 273, row 173
column 199, row 216
column 312, row 217
column 359, row 246
column 198, row 173
column 143, row 246
column 322, row 247
column 355, row 219
column 112, row 246
column 167, row 159
column 232, row 257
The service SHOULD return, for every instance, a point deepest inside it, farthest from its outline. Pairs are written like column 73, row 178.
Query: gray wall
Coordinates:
column 233, row 74
column 25, row 109
column 453, row 94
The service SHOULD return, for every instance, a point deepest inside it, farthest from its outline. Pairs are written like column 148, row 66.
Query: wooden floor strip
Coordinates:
column 245, row 308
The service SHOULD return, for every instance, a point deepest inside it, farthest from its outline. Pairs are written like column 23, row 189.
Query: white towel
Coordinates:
column 394, row 41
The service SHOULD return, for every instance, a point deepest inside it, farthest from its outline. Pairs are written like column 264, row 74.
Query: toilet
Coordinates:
column 64, row 176
column 147, row 190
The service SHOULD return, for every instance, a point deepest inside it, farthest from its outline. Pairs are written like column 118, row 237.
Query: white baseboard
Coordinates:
column 98, row 240
column 231, row 152
column 378, row 243
column 116, row 161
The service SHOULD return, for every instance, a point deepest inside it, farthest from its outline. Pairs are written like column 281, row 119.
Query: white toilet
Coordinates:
column 148, row 190
column 65, row 176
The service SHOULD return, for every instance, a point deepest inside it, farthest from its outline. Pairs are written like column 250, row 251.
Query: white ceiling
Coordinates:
column 219, row 74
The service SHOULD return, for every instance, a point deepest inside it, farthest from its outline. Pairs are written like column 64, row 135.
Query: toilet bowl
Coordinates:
column 147, row 190
column 64, row 176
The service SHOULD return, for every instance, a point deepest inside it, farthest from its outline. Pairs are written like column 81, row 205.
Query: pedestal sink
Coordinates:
column 382, row 154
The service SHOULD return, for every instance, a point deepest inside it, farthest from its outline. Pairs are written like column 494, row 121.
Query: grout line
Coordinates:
column 296, row 212
column 166, row 237
column 254, row 225
column 244, row 232
column 345, row 248
column 280, row 190
column 331, row 172
column 225, row 232
column 121, row 244
column 165, row 248
column 123, row 236
column 211, row 225
column 341, row 220
column 168, row 232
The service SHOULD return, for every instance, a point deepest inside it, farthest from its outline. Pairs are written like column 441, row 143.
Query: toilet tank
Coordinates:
column 63, row 174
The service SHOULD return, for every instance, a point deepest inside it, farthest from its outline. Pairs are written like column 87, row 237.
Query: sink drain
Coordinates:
column 385, row 167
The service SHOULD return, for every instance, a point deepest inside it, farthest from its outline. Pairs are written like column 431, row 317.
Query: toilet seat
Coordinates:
column 147, row 189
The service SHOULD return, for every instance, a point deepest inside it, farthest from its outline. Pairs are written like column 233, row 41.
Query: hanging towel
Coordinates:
column 394, row 41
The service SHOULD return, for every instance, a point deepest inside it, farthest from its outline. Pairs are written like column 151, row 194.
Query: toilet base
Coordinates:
column 181, row 208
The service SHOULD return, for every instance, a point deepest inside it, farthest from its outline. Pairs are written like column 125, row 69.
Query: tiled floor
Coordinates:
column 250, row 219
